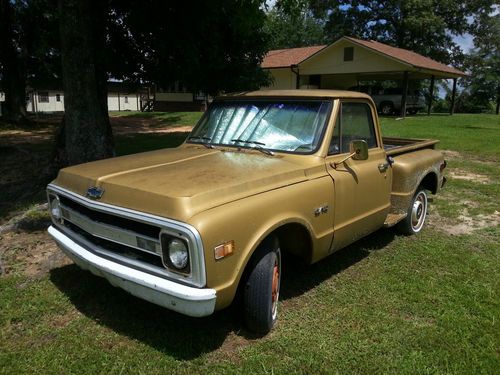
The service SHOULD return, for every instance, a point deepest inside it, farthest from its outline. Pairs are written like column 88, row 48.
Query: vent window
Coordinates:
column 348, row 53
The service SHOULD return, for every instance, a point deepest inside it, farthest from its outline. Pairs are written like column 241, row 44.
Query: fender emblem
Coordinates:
column 320, row 210
column 94, row 192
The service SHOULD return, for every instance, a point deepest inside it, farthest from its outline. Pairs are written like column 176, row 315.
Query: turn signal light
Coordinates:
column 223, row 250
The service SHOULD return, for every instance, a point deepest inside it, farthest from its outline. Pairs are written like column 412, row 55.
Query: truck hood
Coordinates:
column 179, row 183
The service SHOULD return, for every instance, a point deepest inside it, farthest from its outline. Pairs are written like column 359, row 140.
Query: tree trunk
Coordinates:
column 13, row 68
column 85, row 133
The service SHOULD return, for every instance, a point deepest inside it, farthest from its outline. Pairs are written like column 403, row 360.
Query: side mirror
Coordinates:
column 359, row 150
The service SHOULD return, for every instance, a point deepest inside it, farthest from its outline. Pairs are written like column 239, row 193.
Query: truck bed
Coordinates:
column 397, row 146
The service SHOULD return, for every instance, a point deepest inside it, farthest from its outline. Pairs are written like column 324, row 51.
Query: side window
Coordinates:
column 354, row 123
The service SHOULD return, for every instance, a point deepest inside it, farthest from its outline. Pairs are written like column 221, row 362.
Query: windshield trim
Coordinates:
column 330, row 101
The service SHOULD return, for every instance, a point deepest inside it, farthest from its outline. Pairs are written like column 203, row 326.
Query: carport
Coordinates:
column 348, row 61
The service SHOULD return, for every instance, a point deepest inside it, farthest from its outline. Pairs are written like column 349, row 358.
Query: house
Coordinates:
column 50, row 100
column 348, row 61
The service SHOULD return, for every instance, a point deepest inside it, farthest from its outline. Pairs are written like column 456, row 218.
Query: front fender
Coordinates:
column 250, row 220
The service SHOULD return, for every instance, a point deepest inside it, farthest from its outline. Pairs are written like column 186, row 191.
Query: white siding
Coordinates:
column 52, row 105
column 128, row 102
column 123, row 102
column 283, row 79
column 331, row 61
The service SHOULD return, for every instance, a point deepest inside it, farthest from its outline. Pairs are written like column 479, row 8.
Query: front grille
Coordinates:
column 114, row 234
column 126, row 236
column 119, row 249
column 117, row 221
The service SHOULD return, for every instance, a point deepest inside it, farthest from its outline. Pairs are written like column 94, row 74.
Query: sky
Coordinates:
column 465, row 42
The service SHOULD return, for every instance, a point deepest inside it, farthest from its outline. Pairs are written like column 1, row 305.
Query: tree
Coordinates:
column 482, row 86
column 12, row 63
column 292, row 24
column 85, row 134
column 424, row 26
column 211, row 46
column 29, row 52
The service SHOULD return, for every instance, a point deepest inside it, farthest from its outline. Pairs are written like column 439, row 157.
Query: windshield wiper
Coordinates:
column 258, row 146
column 207, row 145
column 263, row 150
column 250, row 142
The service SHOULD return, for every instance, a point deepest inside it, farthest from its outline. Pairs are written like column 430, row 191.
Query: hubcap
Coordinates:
column 418, row 211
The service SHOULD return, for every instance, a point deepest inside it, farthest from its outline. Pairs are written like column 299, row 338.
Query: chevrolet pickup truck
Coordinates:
column 263, row 174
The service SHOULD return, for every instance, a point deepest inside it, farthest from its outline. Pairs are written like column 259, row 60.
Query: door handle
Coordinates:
column 383, row 167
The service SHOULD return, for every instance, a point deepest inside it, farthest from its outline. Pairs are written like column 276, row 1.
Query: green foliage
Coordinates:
column 293, row 27
column 482, row 86
column 423, row 26
column 210, row 46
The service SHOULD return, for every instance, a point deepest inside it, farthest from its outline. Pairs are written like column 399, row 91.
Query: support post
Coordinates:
column 431, row 96
column 453, row 93
column 405, row 94
column 118, row 100
column 297, row 75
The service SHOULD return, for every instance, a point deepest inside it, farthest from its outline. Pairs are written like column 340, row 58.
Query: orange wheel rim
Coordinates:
column 276, row 277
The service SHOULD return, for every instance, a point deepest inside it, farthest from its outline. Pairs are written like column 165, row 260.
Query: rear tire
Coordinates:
column 415, row 216
column 261, row 291
column 386, row 108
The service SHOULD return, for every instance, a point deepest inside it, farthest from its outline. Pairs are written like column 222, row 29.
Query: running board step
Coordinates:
column 393, row 219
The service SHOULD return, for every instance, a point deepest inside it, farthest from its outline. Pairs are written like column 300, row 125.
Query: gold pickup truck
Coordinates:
column 262, row 175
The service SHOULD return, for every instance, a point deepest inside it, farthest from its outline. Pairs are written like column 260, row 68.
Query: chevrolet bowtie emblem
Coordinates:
column 94, row 192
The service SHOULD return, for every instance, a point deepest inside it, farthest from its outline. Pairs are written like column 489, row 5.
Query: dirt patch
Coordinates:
column 63, row 320
column 449, row 154
column 230, row 348
column 33, row 254
column 465, row 223
column 460, row 174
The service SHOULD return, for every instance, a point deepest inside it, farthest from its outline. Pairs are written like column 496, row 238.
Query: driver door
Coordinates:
column 362, row 187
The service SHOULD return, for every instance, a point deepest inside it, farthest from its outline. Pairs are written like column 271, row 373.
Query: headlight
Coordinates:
column 178, row 253
column 175, row 253
column 55, row 208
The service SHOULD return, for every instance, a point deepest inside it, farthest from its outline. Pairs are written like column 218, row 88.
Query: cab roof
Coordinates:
column 314, row 93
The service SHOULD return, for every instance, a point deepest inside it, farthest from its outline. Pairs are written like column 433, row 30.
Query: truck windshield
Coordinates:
column 275, row 125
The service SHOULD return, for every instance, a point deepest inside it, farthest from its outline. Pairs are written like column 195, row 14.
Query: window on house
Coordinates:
column 43, row 97
column 348, row 53
column 58, row 97
column 125, row 99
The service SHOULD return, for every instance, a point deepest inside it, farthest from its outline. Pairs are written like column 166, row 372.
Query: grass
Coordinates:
column 471, row 135
column 386, row 304
column 162, row 118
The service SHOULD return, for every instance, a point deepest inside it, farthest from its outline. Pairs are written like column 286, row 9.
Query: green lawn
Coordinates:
column 163, row 118
column 387, row 304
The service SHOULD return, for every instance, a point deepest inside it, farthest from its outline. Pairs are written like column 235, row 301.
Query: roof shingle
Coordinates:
column 406, row 56
column 284, row 58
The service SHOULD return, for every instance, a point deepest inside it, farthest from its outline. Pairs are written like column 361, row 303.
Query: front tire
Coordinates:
column 415, row 217
column 261, row 291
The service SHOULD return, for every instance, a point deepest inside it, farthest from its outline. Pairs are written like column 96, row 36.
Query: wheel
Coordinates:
column 262, row 289
column 415, row 218
column 386, row 108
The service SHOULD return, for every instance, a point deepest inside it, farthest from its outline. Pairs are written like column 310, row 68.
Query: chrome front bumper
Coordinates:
column 174, row 296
